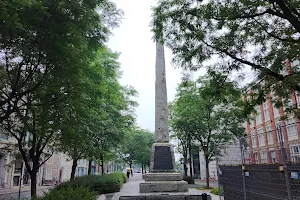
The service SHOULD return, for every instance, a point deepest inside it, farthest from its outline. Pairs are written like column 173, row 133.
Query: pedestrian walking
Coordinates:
column 128, row 174
column 214, row 177
column 131, row 172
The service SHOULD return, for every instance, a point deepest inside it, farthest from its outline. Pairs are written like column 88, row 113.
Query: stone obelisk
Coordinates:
column 162, row 176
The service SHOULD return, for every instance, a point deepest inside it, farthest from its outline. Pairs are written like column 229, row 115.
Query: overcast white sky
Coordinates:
column 133, row 39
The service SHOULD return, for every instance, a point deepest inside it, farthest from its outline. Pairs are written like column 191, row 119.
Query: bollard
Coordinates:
column 205, row 196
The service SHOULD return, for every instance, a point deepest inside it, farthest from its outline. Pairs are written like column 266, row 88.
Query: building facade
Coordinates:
column 266, row 130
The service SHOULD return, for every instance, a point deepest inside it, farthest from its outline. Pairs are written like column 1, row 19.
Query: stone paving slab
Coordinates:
column 131, row 188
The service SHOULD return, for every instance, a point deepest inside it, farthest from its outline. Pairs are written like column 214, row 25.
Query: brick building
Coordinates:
column 263, row 131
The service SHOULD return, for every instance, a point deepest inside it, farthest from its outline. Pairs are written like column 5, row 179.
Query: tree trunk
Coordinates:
column 185, row 169
column 102, row 165
column 90, row 167
column 190, row 159
column 74, row 165
column 142, row 169
column 33, row 184
column 207, row 171
column 185, row 160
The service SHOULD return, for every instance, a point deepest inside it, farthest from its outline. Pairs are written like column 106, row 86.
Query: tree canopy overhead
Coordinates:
column 41, row 41
column 259, row 34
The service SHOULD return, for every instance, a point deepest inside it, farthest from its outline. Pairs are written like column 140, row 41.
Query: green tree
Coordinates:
column 136, row 147
column 259, row 34
column 100, row 112
column 35, row 127
column 210, row 110
column 182, row 138
column 42, row 39
column 43, row 45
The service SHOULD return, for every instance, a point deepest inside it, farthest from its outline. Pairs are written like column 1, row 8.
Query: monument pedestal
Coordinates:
column 162, row 167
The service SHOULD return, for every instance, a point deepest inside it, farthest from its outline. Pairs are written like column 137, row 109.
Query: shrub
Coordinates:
column 124, row 177
column 216, row 191
column 68, row 193
column 107, row 183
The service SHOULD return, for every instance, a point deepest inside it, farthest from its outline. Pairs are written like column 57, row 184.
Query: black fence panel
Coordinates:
column 262, row 182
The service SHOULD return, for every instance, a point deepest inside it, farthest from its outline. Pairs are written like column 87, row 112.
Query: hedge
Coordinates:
column 101, row 184
column 68, row 193
column 216, row 191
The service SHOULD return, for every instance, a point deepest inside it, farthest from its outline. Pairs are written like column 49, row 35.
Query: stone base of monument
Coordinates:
column 166, row 197
column 163, row 186
column 163, row 177
column 162, row 159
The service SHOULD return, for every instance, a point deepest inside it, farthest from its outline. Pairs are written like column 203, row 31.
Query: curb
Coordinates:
column 102, row 197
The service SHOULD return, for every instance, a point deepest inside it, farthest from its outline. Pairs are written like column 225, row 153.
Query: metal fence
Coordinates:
column 260, row 172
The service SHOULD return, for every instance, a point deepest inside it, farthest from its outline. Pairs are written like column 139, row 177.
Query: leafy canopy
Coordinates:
column 210, row 110
column 236, row 34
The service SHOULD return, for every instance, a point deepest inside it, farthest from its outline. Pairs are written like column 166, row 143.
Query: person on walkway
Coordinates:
column 214, row 177
column 128, row 174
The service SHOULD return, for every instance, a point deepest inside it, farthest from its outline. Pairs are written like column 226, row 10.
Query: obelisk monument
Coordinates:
column 162, row 176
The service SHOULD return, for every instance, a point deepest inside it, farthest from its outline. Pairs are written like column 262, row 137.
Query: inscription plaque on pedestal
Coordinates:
column 162, row 158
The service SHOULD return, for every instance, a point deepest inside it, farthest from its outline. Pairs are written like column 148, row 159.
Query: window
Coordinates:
column 295, row 65
column 261, row 139
column 258, row 116
column 244, row 125
column 80, row 171
column 248, row 97
column 276, row 111
column 287, row 102
column 291, row 129
column 295, row 153
column 255, row 158
column 48, row 175
column 278, row 127
column 273, row 156
column 263, row 157
column 295, row 149
column 3, row 137
column 269, row 135
column 266, row 112
column 297, row 94
column 253, row 139
column 251, row 122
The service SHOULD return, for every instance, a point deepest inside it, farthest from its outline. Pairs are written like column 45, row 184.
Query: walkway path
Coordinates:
column 13, row 193
column 132, row 188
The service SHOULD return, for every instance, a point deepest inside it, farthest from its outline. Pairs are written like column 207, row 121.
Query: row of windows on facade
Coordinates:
column 291, row 130
column 293, row 155
column 258, row 117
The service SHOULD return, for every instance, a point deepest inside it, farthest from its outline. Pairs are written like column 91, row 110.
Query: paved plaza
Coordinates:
column 132, row 188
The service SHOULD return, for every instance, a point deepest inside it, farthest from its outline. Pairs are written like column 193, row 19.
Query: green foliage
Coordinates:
column 136, row 147
column 45, row 46
column 216, row 191
column 108, row 183
column 259, row 34
column 210, row 111
column 69, row 193
column 124, row 177
column 100, row 111
column 46, row 42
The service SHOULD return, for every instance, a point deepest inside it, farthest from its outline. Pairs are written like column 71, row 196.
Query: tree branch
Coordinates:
column 287, row 14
